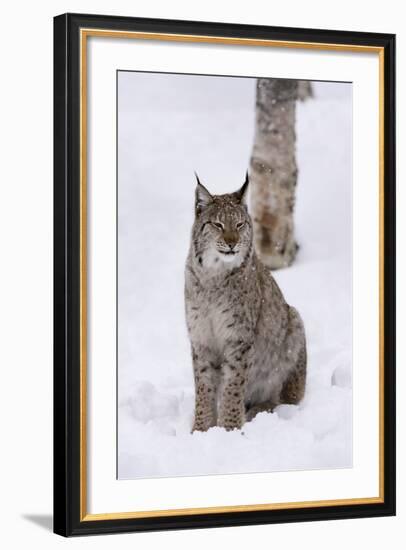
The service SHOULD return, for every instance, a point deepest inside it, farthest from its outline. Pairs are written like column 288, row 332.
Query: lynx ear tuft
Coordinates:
column 202, row 196
column 241, row 194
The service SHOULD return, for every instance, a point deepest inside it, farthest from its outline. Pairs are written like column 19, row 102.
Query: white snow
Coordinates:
column 169, row 126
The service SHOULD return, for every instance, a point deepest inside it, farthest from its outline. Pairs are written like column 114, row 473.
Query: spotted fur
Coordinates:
column 248, row 344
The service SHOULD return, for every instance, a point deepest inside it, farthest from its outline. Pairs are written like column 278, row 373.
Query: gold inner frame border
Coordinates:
column 84, row 34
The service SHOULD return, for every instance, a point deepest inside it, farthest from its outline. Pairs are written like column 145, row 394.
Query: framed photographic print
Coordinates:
column 224, row 341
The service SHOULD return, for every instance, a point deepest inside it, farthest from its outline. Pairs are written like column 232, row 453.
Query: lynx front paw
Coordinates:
column 233, row 421
column 202, row 426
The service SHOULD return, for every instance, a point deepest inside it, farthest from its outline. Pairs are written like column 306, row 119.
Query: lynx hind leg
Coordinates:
column 252, row 411
column 294, row 387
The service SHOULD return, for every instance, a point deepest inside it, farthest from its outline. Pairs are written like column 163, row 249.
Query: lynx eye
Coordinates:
column 240, row 225
column 218, row 225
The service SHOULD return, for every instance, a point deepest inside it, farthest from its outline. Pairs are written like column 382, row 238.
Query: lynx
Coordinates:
column 248, row 345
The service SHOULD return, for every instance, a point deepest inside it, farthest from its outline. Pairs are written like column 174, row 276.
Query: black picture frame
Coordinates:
column 68, row 520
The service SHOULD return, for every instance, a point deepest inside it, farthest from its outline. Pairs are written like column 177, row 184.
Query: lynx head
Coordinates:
column 222, row 231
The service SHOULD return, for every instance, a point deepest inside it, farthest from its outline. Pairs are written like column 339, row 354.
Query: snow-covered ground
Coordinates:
column 169, row 126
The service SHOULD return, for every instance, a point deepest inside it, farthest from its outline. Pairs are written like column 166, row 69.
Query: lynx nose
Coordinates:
column 231, row 239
